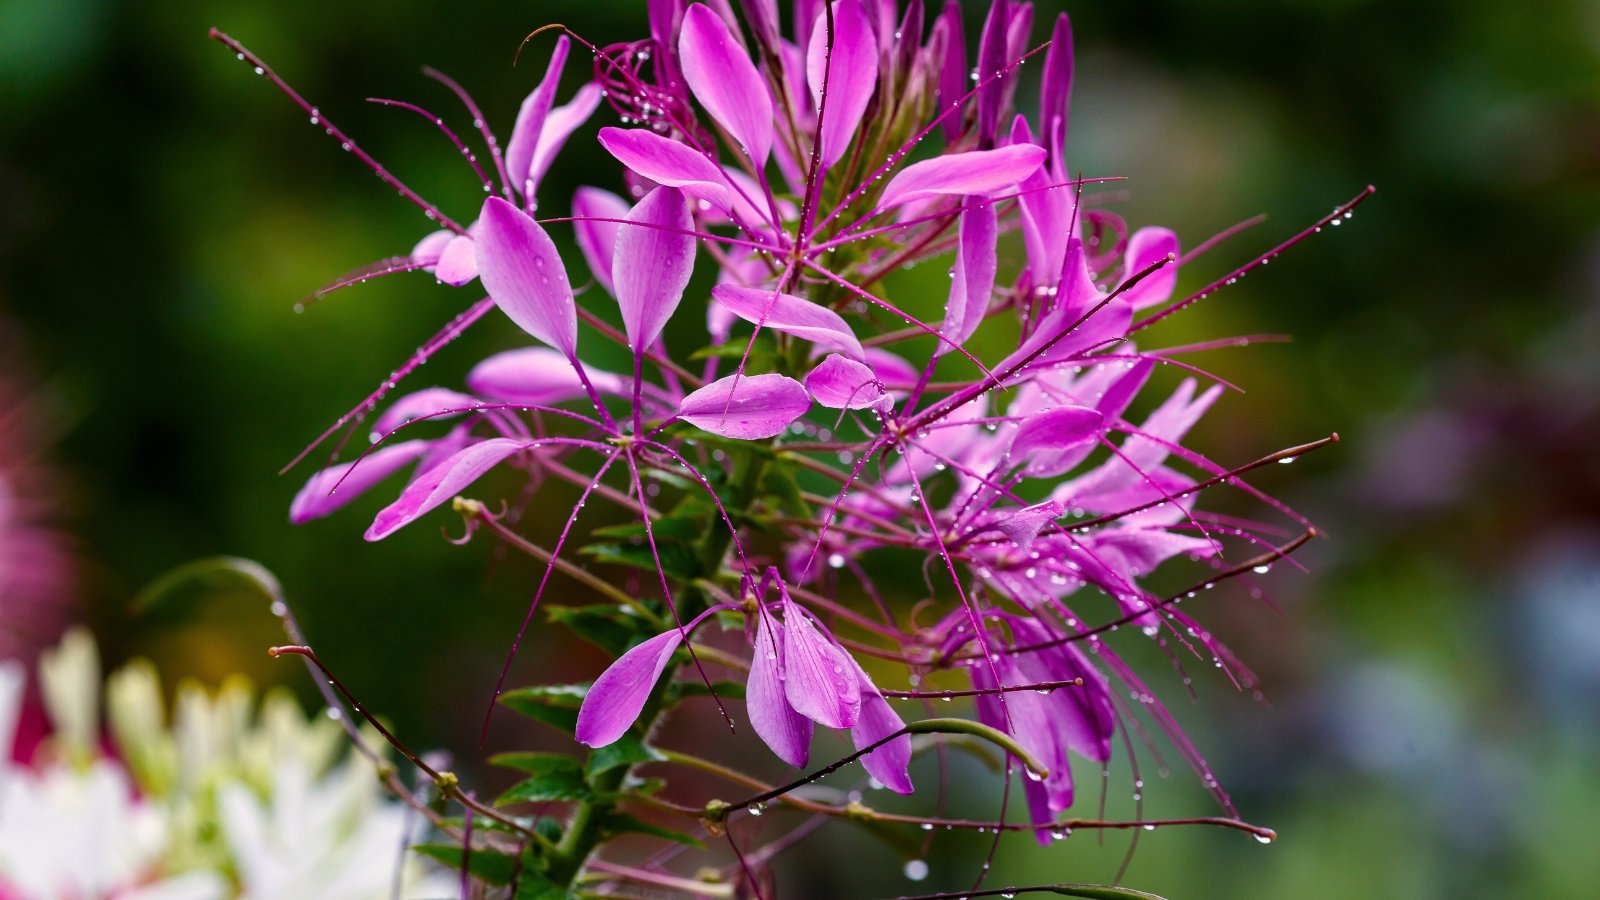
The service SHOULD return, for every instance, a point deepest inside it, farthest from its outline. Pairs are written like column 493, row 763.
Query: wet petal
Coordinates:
column 652, row 263
column 1022, row 526
column 1053, row 441
column 1147, row 247
column 1055, row 88
column 973, row 172
column 787, row 732
column 747, row 407
column 531, row 120
column 428, row 249
column 850, row 73
column 992, row 60
column 953, row 84
column 559, row 124
column 535, row 375
column 618, row 696
column 318, row 497
column 819, row 678
column 421, row 403
column 725, row 81
column 791, row 315
column 840, row 383
column 667, row 162
column 523, row 272
column 972, row 282
column 598, row 240
column 458, row 263
column 441, row 483
column 891, row 763
column 893, row 370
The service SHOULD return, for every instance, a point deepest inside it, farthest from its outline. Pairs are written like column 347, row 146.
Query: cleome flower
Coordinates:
column 836, row 424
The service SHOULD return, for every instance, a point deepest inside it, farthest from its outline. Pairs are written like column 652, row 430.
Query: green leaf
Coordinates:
column 622, row 823
column 625, row 751
column 536, row 763
column 606, row 627
column 676, row 560
column 779, row 482
column 555, row 777
column 485, row 865
column 681, row 529
column 554, row 705
column 533, row 886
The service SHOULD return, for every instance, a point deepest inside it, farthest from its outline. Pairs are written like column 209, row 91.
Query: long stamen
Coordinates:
column 1338, row 215
column 488, row 186
column 345, row 143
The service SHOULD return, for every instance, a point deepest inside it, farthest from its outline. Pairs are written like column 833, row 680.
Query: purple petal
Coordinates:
column 746, row 407
column 1064, row 335
column 1046, row 216
column 891, row 369
column 318, row 498
column 972, row 286
column 440, row 483
column 421, row 403
column 953, row 74
column 1022, row 526
column 1053, row 441
column 726, row 83
column 652, row 263
column 850, row 74
column 1168, row 424
column 1115, row 398
column 427, row 250
column 615, row 700
column 818, row 678
column 1147, row 247
column 522, row 271
column 787, row 732
column 791, row 315
column 840, row 383
column 535, row 375
column 973, row 172
column 559, row 124
column 1138, row 551
column 1055, row 88
column 992, row 53
column 1082, row 715
column 891, row 763
column 458, row 263
column 763, row 18
column 667, row 162
column 598, row 240
column 530, row 121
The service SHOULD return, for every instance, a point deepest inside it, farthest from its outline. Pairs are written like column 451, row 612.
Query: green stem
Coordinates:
column 586, row 830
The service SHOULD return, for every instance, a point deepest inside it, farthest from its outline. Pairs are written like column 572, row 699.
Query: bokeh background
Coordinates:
column 1432, row 712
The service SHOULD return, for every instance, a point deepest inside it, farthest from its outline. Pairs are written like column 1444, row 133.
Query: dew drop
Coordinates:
column 916, row 870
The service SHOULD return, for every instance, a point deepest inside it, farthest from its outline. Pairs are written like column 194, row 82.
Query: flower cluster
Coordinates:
column 825, row 426
column 229, row 800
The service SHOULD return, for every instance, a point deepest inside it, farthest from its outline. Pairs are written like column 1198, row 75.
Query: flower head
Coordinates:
column 823, row 422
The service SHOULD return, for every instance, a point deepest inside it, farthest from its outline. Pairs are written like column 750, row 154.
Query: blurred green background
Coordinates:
column 1432, row 713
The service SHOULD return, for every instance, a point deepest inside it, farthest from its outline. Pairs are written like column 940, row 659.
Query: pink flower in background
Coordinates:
column 37, row 562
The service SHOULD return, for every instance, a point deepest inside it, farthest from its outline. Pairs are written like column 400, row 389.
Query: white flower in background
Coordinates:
column 227, row 802
column 72, row 826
